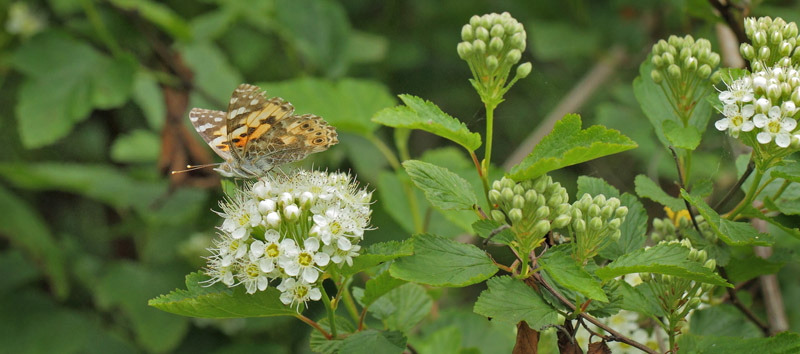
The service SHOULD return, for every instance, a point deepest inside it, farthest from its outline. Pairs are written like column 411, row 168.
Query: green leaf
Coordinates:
column 789, row 171
column 137, row 146
column 213, row 73
column 61, row 90
column 658, row 109
column 318, row 30
column 403, row 307
column 639, row 299
column 379, row 286
column 156, row 331
column 98, row 182
column 748, row 267
column 722, row 320
column 319, row 344
column 733, row 233
column 682, row 137
column 372, row 341
column 484, row 228
column 149, row 97
column 376, row 254
column 159, row 15
column 443, row 188
column 510, row 300
column 671, row 259
column 568, row 145
column 219, row 301
column 27, row 231
column 438, row 261
column 647, row 188
column 348, row 104
column 425, row 115
column 565, row 270
column 782, row 343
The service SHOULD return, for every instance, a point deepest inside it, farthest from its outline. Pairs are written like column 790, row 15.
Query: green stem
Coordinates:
column 100, row 27
column 687, row 168
column 386, row 151
column 328, row 308
column 671, row 339
column 780, row 191
column 748, row 198
column 350, row 305
column 487, row 157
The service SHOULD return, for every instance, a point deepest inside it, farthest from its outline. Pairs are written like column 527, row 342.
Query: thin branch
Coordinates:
column 615, row 335
column 750, row 167
column 739, row 305
column 733, row 22
column 411, row 349
column 681, row 178
column 316, row 326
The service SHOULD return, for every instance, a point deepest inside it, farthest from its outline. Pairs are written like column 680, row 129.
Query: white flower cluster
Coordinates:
column 625, row 322
column 767, row 100
column 289, row 228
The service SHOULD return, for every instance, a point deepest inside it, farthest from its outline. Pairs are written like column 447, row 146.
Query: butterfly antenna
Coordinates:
column 194, row 167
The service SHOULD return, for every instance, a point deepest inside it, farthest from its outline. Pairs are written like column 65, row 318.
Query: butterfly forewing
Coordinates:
column 212, row 127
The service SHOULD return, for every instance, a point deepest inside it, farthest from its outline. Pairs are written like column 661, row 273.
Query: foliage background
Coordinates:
column 93, row 115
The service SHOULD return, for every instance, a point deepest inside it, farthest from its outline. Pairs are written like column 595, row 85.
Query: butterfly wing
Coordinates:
column 212, row 128
column 291, row 139
column 251, row 115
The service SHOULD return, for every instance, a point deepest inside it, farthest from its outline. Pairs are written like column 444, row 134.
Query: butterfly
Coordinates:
column 258, row 134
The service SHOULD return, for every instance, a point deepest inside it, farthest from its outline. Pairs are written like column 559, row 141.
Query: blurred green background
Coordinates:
column 94, row 97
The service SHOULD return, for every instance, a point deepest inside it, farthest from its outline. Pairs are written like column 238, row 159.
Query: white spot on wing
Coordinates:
column 205, row 127
column 218, row 119
column 254, row 102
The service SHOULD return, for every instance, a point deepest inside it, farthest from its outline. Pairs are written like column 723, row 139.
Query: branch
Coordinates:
column 616, row 335
column 680, row 183
column 739, row 305
column 750, row 167
column 734, row 23
column 316, row 326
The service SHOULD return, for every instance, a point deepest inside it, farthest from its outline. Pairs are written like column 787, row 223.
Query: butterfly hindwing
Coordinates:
column 212, row 127
column 291, row 139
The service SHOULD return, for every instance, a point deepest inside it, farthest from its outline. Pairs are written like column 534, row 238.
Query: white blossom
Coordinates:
column 774, row 126
column 736, row 119
column 297, row 292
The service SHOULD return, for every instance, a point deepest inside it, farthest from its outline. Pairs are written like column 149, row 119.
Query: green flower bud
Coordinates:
column 774, row 92
column 693, row 303
column 668, row 58
column 479, row 47
column 775, row 37
column 704, row 71
column 542, row 227
column 542, row 212
column 497, row 31
column 693, row 254
column 688, row 40
column 507, row 195
column 464, row 50
column 518, row 41
column 498, row 216
column 675, row 41
column 541, row 184
column 513, row 56
column 474, row 21
column 796, row 96
column 646, row 277
column 492, row 63
column 495, row 197
column 616, row 235
column 655, row 236
column 482, row 34
column 518, row 202
column 716, row 77
column 710, row 264
column 540, row 200
column 747, row 51
column 790, row 31
column 669, row 227
column 656, row 76
column 594, row 210
column 763, row 53
column 613, row 202
column 563, row 209
column 467, row 34
column 674, row 72
column 515, row 215
column 561, row 221
column 690, row 64
column 704, row 54
column 686, row 243
column 760, row 38
column 579, row 225
column 596, row 223
column 621, row 212
column 507, row 182
column 785, row 61
column 702, row 256
column 682, row 222
column 523, row 70
column 599, row 199
column 497, row 185
column 607, row 212
column 530, row 195
column 577, row 213
column 518, row 189
column 614, row 223
column 785, row 49
column 495, row 45
column 666, row 279
column 684, row 53
column 706, row 287
column 658, row 224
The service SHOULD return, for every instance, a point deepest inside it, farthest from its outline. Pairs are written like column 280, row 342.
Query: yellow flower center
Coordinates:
column 244, row 219
column 235, row 245
column 336, row 228
column 272, row 251
column 301, row 291
column 252, row 270
column 305, row 259
column 774, row 126
column 737, row 120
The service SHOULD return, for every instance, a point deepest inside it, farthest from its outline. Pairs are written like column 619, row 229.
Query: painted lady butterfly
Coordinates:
column 258, row 134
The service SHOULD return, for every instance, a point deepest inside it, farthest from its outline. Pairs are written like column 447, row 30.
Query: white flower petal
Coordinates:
column 788, row 124
column 783, row 139
column 314, row 294
column 747, row 126
column 291, row 268
column 322, row 259
column 266, row 265
column 239, row 233
column 722, row 124
column 262, row 283
column 748, row 110
column 760, row 120
column 344, row 244
column 310, row 275
column 764, row 137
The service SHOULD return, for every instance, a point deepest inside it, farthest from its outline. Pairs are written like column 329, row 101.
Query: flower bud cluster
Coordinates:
column 289, row 228
column 683, row 60
column 774, row 42
column 533, row 207
column 678, row 296
column 677, row 225
column 596, row 222
column 492, row 44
